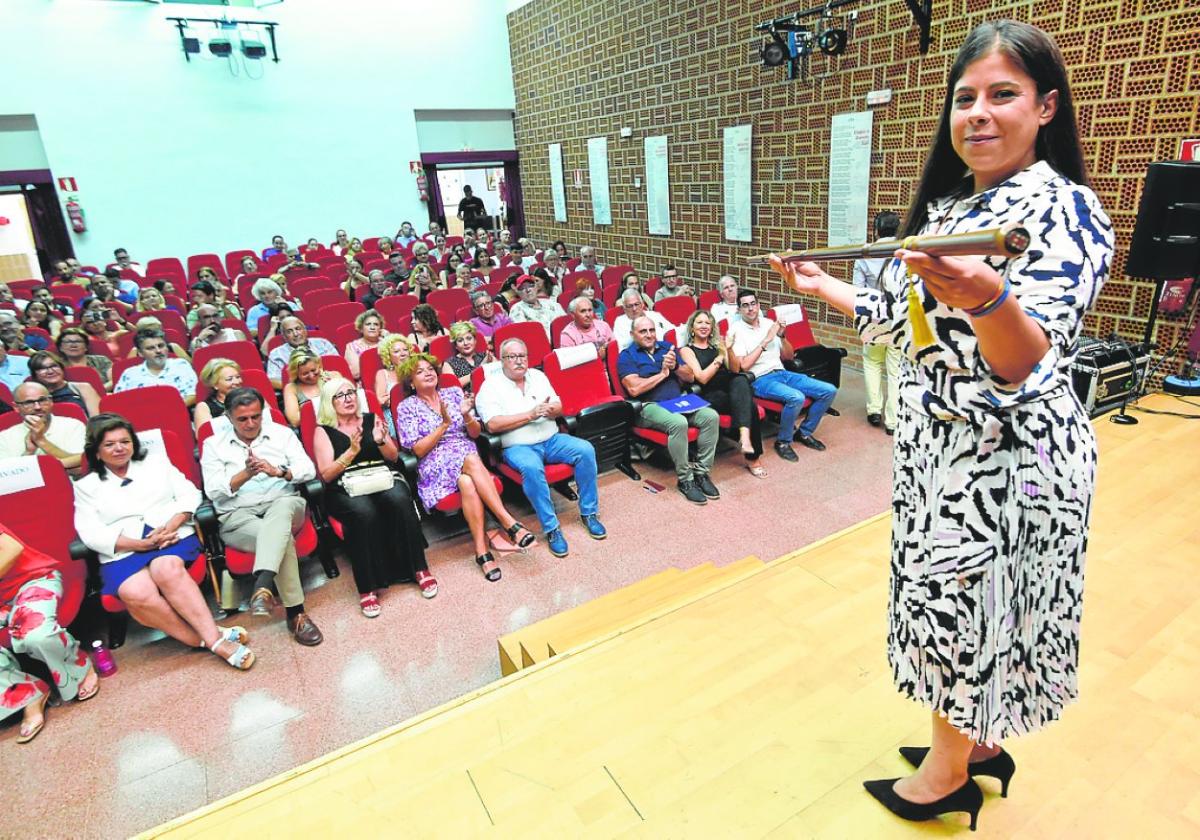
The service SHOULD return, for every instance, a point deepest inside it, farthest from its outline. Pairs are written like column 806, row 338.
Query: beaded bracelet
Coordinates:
column 993, row 304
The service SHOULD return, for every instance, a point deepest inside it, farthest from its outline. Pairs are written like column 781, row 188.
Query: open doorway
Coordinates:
column 497, row 172
column 484, row 182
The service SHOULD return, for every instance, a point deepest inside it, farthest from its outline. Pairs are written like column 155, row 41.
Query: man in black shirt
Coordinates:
column 471, row 209
column 380, row 288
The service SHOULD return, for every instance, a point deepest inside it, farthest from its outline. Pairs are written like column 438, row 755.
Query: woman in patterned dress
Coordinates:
column 439, row 425
column 994, row 456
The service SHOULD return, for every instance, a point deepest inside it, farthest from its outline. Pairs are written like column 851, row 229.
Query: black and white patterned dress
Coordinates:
column 993, row 482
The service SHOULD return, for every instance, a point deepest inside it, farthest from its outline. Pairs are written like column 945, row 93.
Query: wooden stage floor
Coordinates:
column 759, row 710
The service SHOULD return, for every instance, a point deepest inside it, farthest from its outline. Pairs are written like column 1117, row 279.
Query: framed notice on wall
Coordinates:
column 737, row 183
column 557, row 188
column 598, row 173
column 658, row 203
column 849, row 177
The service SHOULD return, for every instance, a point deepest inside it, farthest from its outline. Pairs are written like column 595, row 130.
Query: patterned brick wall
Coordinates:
column 688, row 69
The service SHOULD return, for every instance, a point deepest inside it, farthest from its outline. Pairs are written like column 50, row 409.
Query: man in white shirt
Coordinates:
column 520, row 405
column 40, row 432
column 251, row 470
column 295, row 337
column 124, row 263
column 726, row 307
column 532, row 308
column 157, row 369
column 587, row 260
column 757, row 345
column 868, row 274
column 634, row 305
column 672, row 285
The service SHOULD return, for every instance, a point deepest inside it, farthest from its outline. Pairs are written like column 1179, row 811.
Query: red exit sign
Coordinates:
column 1190, row 149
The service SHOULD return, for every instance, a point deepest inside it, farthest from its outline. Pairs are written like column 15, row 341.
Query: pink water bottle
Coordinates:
column 102, row 658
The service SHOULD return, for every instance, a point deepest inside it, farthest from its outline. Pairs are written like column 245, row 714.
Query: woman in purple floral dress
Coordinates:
column 438, row 426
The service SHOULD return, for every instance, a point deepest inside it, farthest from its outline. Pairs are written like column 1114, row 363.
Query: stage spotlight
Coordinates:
column 832, row 41
column 775, row 51
column 220, row 47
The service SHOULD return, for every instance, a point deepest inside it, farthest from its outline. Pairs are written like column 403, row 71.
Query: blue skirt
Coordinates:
column 113, row 574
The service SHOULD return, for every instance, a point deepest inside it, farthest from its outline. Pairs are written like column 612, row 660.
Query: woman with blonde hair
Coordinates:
column 466, row 357
column 221, row 376
column 705, row 361
column 439, row 425
column 150, row 299
column 394, row 350
column 381, row 531
column 305, row 375
column 370, row 332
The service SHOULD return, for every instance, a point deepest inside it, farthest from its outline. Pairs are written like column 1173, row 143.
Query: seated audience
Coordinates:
column 705, row 361
column 587, row 260
column 672, row 285
column 555, row 268
column 208, row 293
column 548, row 287
column 150, row 299
column 422, row 281
column 313, row 244
column 136, row 514
column 398, row 276
column 647, row 370
column 13, row 369
column 520, row 405
column 305, row 375
column 425, row 326
column 406, row 235
column 278, row 246
column 383, row 536
column 483, row 263
column 533, row 308
column 266, row 291
column 72, row 346
column 249, row 267
column 279, row 311
column 157, row 368
column 488, row 316
column 58, row 309
column 31, row 590
column 64, row 274
column 295, row 337
column 102, row 289
column 465, row 358
column 585, row 287
column 559, row 247
column 525, row 256
column 386, row 246
column 370, row 332
column 394, row 350
column 126, row 288
column 208, row 317
column 464, row 279
column 6, row 298
column 379, row 288
column 167, row 288
column 96, row 324
column 585, row 327
column 757, row 345
column 40, row 431
column 124, row 263
column 449, row 275
column 251, row 470
column 50, row 370
column 630, row 280
column 12, row 335
column 37, row 314
column 633, row 303
column 340, row 243
column 221, row 376
column 438, row 426
column 726, row 307
column 153, row 324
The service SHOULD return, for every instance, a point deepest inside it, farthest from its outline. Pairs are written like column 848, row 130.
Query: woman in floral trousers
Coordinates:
column 31, row 588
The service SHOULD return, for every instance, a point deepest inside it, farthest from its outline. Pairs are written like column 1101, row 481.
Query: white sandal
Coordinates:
column 242, row 657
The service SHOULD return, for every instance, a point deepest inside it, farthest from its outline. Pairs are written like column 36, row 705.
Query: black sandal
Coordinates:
column 482, row 560
column 526, row 541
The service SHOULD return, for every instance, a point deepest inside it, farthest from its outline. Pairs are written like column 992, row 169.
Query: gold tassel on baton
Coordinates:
column 922, row 335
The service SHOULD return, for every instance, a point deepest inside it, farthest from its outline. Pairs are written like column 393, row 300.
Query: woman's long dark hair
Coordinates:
column 428, row 318
column 1034, row 52
column 97, row 428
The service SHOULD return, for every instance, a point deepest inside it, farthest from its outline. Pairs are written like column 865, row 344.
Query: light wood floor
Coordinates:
column 759, row 710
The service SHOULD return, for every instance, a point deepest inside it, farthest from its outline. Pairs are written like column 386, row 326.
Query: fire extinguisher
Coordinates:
column 422, row 186
column 75, row 214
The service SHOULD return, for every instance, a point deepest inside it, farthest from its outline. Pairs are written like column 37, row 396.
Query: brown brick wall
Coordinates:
column 583, row 69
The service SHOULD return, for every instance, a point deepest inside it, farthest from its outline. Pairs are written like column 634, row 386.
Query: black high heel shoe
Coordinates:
column 1000, row 766
column 968, row 798
column 482, row 560
column 526, row 541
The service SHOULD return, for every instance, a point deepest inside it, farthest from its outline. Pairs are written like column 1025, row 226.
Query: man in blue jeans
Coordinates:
column 756, row 344
column 520, row 405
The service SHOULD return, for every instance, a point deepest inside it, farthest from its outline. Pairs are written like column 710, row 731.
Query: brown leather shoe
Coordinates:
column 262, row 602
column 304, row 631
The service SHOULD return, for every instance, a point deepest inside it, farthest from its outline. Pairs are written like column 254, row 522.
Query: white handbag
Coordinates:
column 368, row 480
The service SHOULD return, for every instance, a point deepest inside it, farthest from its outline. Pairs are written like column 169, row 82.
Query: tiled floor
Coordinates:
column 175, row 729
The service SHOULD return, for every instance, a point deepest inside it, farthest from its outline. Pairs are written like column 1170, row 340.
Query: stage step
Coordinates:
column 617, row 611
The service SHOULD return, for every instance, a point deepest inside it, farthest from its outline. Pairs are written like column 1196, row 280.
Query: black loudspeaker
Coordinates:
column 1166, row 238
